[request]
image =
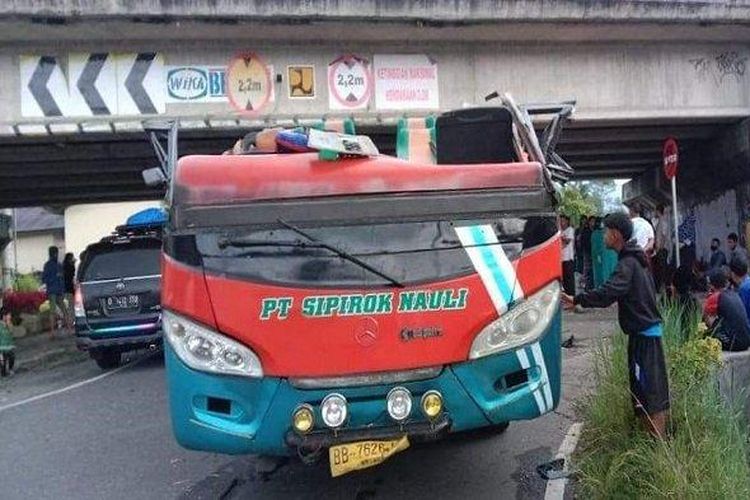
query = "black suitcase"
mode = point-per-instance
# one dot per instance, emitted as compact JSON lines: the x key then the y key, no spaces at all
{"x":475,"y":135}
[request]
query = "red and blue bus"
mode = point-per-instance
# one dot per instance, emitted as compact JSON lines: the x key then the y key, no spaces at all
{"x":346,"y":306}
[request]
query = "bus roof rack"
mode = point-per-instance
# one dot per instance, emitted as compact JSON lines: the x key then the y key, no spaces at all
{"x":541,"y":149}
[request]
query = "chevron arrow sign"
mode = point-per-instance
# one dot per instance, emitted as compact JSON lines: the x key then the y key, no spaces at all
{"x":93,"y":84}
{"x":97,"y":84}
{"x":44,"y":89}
{"x":140,"y":79}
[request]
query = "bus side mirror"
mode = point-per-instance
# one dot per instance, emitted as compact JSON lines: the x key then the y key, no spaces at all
{"x":154,"y":177}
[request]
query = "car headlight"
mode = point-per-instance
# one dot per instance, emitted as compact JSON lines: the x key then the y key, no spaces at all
{"x":203,"y":349}
{"x":522,"y":324}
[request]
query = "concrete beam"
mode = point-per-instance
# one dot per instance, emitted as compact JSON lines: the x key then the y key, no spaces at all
{"x":25,"y":32}
{"x":629,"y":135}
{"x":606,"y":173}
{"x":425,"y":11}
{"x":613,"y":163}
{"x":64,"y":198}
{"x":74,"y":182}
{"x":602,"y":154}
{"x":114,"y":153}
{"x":10,"y":172}
{"x":610,"y":147}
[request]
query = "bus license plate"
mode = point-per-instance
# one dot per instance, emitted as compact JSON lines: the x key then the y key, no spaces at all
{"x":349,"y":457}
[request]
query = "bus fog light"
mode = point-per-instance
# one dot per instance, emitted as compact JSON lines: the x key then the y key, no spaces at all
{"x":432,"y":404}
{"x":334,"y":410}
{"x":303,"y":419}
{"x":399,"y":403}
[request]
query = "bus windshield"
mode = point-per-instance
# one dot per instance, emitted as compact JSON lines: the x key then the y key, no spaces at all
{"x":407,"y":252}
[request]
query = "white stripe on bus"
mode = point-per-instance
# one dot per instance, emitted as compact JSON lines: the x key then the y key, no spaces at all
{"x":539,"y":359}
{"x":524,"y":360}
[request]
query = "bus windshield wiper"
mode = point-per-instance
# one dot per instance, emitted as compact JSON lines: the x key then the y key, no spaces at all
{"x":340,"y":253}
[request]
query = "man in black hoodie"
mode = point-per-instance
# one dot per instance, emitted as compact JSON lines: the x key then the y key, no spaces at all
{"x":632,"y":287}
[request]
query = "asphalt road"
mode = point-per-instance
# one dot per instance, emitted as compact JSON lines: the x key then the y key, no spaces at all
{"x":111,"y":438}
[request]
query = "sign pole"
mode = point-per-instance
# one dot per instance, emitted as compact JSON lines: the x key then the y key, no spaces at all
{"x":674,"y":216}
{"x":670,"y":154}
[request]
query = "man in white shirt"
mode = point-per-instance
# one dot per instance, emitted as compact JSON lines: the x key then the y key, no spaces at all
{"x":643,"y":233}
{"x":567,"y":234}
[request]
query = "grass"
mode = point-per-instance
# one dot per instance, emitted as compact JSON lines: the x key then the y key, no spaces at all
{"x":707,"y":455}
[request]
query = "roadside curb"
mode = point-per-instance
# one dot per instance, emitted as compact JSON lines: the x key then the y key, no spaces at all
{"x":31,"y":360}
{"x":45,"y":353}
{"x":556,"y":487}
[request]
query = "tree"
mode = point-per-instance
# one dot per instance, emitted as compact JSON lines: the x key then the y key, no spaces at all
{"x":589,"y":198}
{"x":605,"y":193}
{"x":576,"y":203}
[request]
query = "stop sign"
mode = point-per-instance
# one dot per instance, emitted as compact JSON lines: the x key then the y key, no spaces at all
{"x":669,"y":153}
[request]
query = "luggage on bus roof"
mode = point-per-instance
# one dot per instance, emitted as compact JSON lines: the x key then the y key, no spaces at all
{"x":462,"y":136}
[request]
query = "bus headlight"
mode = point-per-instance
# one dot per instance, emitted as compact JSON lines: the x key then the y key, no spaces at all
{"x":206,"y":350}
{"x":522,"y":324}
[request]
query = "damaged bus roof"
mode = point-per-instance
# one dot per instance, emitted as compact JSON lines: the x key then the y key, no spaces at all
{"x":260,"y":189}
{"x":209,"y":180}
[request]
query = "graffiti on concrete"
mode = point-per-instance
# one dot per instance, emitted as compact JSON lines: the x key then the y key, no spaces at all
{"x":701,"y":65}
{"x":728,"y":63}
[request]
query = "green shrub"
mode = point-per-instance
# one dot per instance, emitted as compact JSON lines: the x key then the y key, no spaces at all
{"x":707,"y":455}
{"x":27,"y":283}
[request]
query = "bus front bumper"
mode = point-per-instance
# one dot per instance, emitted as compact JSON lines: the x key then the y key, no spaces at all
{"x":237,"y":415}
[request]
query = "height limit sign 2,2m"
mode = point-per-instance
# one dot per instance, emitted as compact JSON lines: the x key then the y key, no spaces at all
{"x":349,"y":83}
{"x":249,"y":84}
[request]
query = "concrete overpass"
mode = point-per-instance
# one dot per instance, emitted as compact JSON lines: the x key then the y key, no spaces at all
{"x":80,"y":78}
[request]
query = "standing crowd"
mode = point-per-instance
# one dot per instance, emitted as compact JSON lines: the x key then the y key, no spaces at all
{"x":724,"y":275}
{"x":646,"y":267}
{"x":59,"y":281}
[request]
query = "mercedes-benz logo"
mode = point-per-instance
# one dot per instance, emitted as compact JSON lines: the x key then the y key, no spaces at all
{"x":120,"y":286}
{"x":366,"y":332}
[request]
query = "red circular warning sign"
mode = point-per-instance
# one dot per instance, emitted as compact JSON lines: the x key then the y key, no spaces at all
{"x":670,"y":155}
{"x":349,"y":82}
{"x":249,"y":83}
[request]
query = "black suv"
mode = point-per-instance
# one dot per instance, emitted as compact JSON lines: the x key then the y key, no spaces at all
{"x":117,"y":300}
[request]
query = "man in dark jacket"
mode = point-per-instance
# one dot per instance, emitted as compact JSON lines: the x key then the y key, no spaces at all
{"x":52,"y":277}
{"x":632,"y":287}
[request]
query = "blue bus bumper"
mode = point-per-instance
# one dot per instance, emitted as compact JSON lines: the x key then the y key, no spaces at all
{"x":237,"y":415}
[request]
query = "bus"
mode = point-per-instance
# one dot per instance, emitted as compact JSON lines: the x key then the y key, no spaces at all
{"x":351,"y":307}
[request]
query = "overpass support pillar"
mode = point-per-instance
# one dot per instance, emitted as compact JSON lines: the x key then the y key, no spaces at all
{"x":7,"y":262}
